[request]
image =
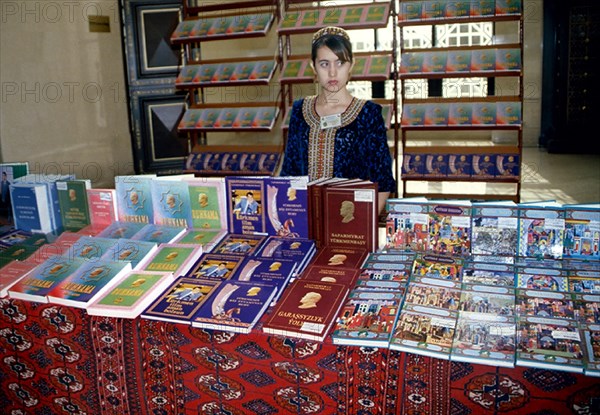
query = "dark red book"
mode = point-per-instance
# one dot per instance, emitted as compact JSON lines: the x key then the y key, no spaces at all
{"x":340,"y":257}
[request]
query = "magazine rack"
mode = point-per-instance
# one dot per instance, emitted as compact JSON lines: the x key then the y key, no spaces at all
{"x":202,"y":115}
{"x":302,"y":18}
{"x":433,"y":150}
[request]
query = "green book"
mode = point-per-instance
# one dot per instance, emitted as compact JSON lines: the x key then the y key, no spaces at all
{"x":172,"y":257}
{"x":131,"y":295}
{"x":73,"y":202}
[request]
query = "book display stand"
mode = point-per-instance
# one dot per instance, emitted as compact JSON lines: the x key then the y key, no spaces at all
{"x":301,"y":18}
{"x":463,"y":139}
{"x":222,"y":22}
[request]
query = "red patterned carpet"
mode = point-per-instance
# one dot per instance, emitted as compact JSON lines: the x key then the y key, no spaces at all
{"x":57,"y":360}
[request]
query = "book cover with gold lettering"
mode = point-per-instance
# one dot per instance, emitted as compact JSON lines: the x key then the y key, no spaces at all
{"x":173,"y":257}
{"x":88,"y":282}
{"x":307,"y":309}
{"x":131,"y":294}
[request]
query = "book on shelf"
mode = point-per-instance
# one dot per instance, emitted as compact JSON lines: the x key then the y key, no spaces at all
{"x":483,"y":113}
{"x":483,"y":60}
{"x":483,"y":166}
{"x":508,"y":7}
{"x":129,"y":250}
{"x":183,"y":29}
{"x":413,"y":115}
{"x":102,"y":203}
{"x":457,"y":9}
{"x":410,"y":11}
{"x":460,"y":166}
{"x":508,"y":59}
{"x":226,"y":118}
{"x":161,"y":234}
{"x":73,"y":202}
{"x":44,"y":277}
{"x":235,"y":306}
{"x":90,"y":281}
{"x":243,"y":119}
{"x":413,"y":166}
{"x":379,"y":66}
{"x":449,"y":227}
{"x":134,"y":198}
{"x":49,"y":181}
{"x":307,"y":310}
{"x":367,"y":318}
{"x":207,"y":238}
{"x":460,"y":114}
{"x":541,"y":230}
{"x":412,"y":63}
{"x":287,"y":206}
{"x":436,"y":165}
{"x":181,"y":300}
{"x":173,"y":257}
{"x":433,"y":9}
{"x":458,"y":61}
{"x":11,"y":272}
{"x":171,"y":204}
{"x":591,"y":348}
{"x":262,"y":70}
{"x":483,"y":8}
{"x":494,"y":229}
{"x":131,"y":294}
{"x":9,"y":171}
{"x":508,"y":113}
{"x":239,"y":244}
{"x":582,"y":231}
{"x":121,"y":229}
{"x":508,"y":166}
{"x":423,"y":333}
{"x":30,"y":207}
{"x":435,"y":62}
{"x":549,"y":343}
{"x":216,"y":266}
{"x":484,"y":338}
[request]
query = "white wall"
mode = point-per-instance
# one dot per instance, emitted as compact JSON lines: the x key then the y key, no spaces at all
{"x":63,"y":104}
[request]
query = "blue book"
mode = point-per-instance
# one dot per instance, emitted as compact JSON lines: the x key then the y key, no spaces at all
{"x":44,"y":277}
{"x":52,"y":191}
{"x":276,"y":271}
{"x":134,"y":198}
{"x":171,"y":203}
{"x":88,"y":283}
{"x":287,"y":206}
{"x":158,"y":233}
{"x":245,"y":204}
{"x":121,"y":229}
{"x":132,"y":251}
{"x":300,"y":250}
{"x":89,"y":247}
{"x":235,"y":306}
{"x":30,"y":206}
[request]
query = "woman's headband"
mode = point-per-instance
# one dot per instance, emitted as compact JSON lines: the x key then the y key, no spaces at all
{"x":331,"y":31}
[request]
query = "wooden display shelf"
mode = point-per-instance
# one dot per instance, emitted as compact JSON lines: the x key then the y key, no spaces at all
{"x":236,"y":117}
{"x":470,"y":196}
{"x":227,"y":72}
{"x":455,"y":20}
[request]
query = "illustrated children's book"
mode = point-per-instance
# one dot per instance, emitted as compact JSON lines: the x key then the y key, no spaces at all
{"x":235,"y":306}
{"x":582,"y":231}
{"x":591,"y":343}
{"x":541,"y":230}
{"x":494,"y":229}
{"x":449,"y":227}
{"x":131,"y":294}
{"x":367,"y":318}
{"x":407,"y":224}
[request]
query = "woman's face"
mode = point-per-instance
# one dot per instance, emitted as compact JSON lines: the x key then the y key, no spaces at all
{"x":332,"y":74}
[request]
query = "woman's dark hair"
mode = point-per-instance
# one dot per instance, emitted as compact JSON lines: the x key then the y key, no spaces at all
{"x":338,"y":45}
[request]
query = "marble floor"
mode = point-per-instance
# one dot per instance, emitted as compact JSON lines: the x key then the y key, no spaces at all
{"x":566,"y":178}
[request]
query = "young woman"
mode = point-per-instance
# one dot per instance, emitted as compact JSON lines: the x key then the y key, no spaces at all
{"x":334,"y":134}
